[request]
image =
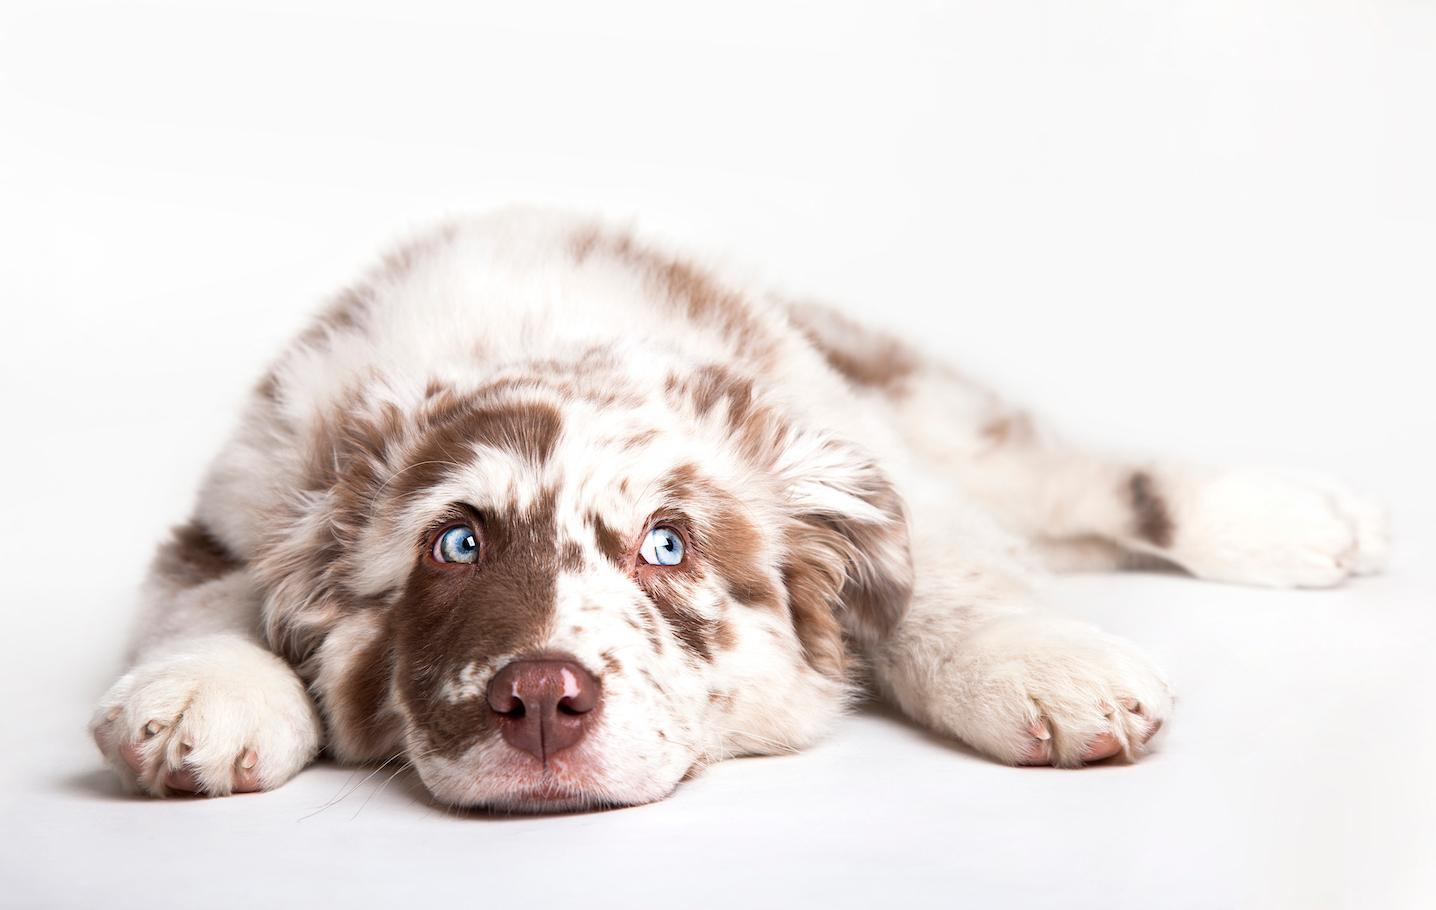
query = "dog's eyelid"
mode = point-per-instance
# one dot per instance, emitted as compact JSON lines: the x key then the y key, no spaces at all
{"x":457,"y":513}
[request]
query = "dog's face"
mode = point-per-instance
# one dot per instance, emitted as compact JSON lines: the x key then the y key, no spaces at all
{"x":553,"y":593}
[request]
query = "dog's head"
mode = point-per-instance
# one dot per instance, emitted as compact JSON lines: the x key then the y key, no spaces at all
{"x":571,"y":585}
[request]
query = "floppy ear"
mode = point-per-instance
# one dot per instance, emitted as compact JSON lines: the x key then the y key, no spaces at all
{"x":847,"y":565}
{"x":310,"y":546}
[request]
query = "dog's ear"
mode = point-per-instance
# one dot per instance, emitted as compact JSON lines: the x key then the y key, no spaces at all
{"x":311,"y":547}
{"x":847,"y":564}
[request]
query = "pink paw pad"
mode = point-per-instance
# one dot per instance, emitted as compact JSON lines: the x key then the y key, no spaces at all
{"x":186,"y":779}
{"x":1100,"y":747}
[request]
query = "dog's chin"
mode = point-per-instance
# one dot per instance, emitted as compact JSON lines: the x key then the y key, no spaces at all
{"x":518,"y":784}
{"x":550,"y":801}
{"x":546,"y":799}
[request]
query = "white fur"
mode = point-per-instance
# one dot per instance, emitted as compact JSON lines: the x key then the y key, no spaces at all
{"x":1279,"y":529}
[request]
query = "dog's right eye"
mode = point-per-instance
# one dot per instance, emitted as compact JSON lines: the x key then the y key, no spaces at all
{"x":457,"y":544}
{"x":662,"y":546}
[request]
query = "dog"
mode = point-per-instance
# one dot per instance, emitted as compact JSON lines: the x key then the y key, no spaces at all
{"x":559,"y":517}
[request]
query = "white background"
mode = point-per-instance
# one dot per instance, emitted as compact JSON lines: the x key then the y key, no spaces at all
{"x":1198,"y":227}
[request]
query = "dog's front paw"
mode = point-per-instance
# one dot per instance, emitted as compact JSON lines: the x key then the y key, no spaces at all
{"x":1278,"y":529}
{"x":1035,"y":691}
{"x":220,"y":716}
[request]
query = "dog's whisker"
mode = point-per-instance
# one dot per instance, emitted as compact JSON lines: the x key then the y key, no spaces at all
{"x":345,"y":790}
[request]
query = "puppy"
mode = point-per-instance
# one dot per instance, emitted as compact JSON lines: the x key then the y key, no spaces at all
{"x":558,"y":518}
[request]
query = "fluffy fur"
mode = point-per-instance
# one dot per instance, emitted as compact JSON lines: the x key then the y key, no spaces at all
{"x":855,"y":515}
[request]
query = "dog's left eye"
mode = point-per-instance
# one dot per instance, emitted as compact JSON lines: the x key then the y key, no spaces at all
{"x":457,"y":544}
{"x":662,"y":547}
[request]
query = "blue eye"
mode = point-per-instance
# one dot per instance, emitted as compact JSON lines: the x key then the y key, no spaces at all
{"x":662,"y":547}
{"x":458,"y":544}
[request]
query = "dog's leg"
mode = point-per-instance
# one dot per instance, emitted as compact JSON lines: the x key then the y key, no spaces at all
{"x":1086,"y":510}
{"x":206,"y":708}
{"x":1281,"y":529}
{"x":974,"y":658}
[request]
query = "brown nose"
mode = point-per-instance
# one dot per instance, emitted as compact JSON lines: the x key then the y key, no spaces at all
{"x":544,"y":706}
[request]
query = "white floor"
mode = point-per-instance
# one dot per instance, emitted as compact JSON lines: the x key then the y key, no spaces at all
{"x":1200,"y":227}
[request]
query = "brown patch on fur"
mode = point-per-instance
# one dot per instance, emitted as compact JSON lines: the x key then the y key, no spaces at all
{"x":866,"y":358}
{"x":447,"y":618}
{"x":648,"y":623}
{"x":527,"y":429}
{"x":694,"y":631}
{"x":358,"y":711}
{"x":711,"y":387}
{"x":611,"y":663}
{"x":712,"y":384}
{"x":611,"y":543}
{"x":194,"y":556}
{"x":640,"y":439}
{"x":725,"y":542}
{"x":754,"y":427}
{"x":1153,"y":520}
{"x":594,"y":376}
{"x":268,"y":387}
{"x":570,"y":556}
{"x":584,"y":243}
{"x":345,"y":310}
{"x":812,"y":592}
{"x":735,"y":553}
{"x":700,"y":295}
{"x":1013,"y":428}
{"x":878,"y":589}
{"x":723,"y":635}
{"x":848,"y":576}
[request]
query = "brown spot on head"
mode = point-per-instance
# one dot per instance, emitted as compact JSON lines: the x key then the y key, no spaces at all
{"x":640,"y":439}
{"x":699,"y":294}
{"x":713,"y":387}
{"x":451,"y":428}
{"x":449,"y":617}
{"x":695,"y":632}
{"x":1153,"y":520}
{"x":611,"y":663}
{"x":613,"y":544}
{"x":735,"y":554}
{"x":570,"y":556}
